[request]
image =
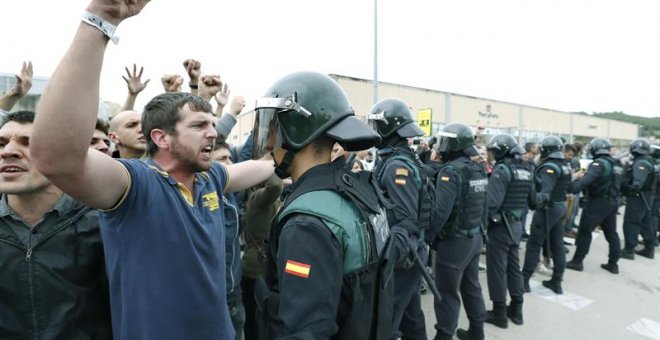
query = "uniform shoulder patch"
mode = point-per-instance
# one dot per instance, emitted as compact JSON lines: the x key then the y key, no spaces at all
{"x":297,"y":269}
{"x":401,"y":172}
{"x":444,"y":178}
{"x":400,"y":181}
{"x":550,"y":171}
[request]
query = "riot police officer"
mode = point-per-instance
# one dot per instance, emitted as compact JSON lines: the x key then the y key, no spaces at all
{"x":401,"y":176}
{"x":655,"y":152}
{"x":601,"y":185}
{"x":323,"y":246}
{"x":640,"y":186}
{"x":552,"y":180}
{"x":457,"y":232}
{"x":510,"y":190}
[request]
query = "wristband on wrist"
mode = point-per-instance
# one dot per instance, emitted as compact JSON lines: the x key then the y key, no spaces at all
{"x":102,"y":25}
{"x":193,"y":86}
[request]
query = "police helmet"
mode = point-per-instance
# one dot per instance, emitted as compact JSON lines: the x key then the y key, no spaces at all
{"x":502,"y":145}
{"x":599,"y":146}
{"x":551,"y":147}
{"x":392,"y":115}
{"x":455,"y":137}
{"x":640,"y":146}
{"x":302,"y":107}
{"x":655,"y":150}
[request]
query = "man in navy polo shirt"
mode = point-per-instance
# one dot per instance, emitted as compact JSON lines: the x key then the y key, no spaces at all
{"x":162,"y":224}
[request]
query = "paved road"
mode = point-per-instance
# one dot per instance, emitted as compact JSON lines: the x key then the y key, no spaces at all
{"x":596,"y":304}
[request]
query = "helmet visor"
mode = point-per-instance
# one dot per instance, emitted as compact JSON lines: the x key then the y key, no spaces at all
{"x":267,"y":137}
{"x":376,"y":119}
{"x":444,"y":141}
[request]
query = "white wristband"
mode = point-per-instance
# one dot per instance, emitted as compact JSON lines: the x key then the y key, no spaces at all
{"x":102,"y":25}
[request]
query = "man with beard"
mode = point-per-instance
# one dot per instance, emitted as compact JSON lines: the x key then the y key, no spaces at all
{"x":162,"y":224}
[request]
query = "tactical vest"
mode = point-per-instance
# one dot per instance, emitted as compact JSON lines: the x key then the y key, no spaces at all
{"x":352,"y":207}
{"x":608,"y":185}
{"x":651,"y":182}
{"x":521,"y":178}
{"x":469,"y":211}
{"x":560,"y":189}
{"x":423,"y":180}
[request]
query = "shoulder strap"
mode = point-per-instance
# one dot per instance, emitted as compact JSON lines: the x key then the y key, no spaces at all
{"x":506,"y":168}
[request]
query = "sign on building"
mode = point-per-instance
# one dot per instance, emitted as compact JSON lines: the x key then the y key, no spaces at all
{"x":424,"y":121}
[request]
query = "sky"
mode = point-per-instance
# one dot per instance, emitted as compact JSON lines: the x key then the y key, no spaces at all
{"x":568,"y":55}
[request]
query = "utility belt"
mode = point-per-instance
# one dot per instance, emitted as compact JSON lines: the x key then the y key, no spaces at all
{"x":555,"y":203}
{"x":510,"y":217}
{"x":451,"y":232}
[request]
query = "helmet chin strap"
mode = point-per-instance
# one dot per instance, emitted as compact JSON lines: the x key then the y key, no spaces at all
{"x":281,"y":169}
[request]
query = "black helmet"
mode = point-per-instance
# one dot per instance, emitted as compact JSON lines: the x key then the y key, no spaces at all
{"x":455,"y":137}
{"x":640,"y":146}
{"x":392,"y":115}
{"x":599,"y":146}
{"x":551,"y":147}
{"x":502,"y":145}
{"x":302,"y":107}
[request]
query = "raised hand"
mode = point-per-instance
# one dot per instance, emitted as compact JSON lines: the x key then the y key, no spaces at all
{"x":172,"y":82}
{"x":115,"y":11}
{"x":237,"y":105}
{"x":134,"y":80}
{"x":24,"y":80}
{"x":222,"y":97}
{"x":209,"y":85}
{"x":194,"y":70}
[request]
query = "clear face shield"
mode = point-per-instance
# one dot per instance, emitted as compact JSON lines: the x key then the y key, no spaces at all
{"x":444,"y":139}
{"x":267,"y":135}
{"x":374,"y":119}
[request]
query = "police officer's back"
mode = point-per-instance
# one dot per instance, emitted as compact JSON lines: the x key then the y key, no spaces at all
{"x":402,"y":177}
{"x":601,"y":185}
{"x":321,"y":278}
{"x":639,"y":185}
{"x":456,"y":232}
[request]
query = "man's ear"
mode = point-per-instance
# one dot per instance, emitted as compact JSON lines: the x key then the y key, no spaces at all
{"x":160,"y":138}
{"x":113,"y":138}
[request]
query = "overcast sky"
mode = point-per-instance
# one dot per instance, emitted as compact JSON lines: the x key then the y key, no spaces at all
{"x":569,"y":55}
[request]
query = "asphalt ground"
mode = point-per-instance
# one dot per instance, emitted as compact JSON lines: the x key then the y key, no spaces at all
{"x":595,"y":305}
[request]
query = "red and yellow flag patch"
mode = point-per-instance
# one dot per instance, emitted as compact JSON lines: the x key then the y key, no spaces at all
{"x":297,"y":269}
{"x":444,"y":178}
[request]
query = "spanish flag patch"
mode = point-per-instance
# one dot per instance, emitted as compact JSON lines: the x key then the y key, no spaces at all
{"x":444,"y":178}
{"x":400,"y":181}
{"x":550,"y":171}
{"x":297,"y":269}
{"x":402,"y":172}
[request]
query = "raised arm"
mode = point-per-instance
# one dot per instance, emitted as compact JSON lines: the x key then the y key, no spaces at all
{"x":20,"y":89}
{"x":67,"y":115}
{"x":135,"y":86}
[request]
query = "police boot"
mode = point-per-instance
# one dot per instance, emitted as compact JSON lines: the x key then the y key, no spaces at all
{"x":627,"y":254}
{"x":646,"y":252}
{"x":470,"y":334}
{"x":575,"y":265}
{"x":611,"y":267}
{"x":554,"y":284}
{"x":497,"y":316}
{"x":514,"y":311}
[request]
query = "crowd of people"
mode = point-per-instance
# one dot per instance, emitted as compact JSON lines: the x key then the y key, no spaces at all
{"x":319,"y":226}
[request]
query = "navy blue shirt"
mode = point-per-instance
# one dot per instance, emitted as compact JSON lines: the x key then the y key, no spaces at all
{"x":165,"y":253}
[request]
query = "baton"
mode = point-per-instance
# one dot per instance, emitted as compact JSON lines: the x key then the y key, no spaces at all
{"x":425,"y":274}
{"x":508,"y":227}
{"x":646,"y":203}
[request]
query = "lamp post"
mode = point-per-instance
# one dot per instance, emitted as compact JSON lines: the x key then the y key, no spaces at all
{"x":375,"y":51}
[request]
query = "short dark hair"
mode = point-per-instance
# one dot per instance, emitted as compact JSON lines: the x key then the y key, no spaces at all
{"x":570,"y":147}
{"x":163,"y":112}
{"x":221,"y":145}
{"x":19,"y":117}
{"x":102,"y":125}
{"x":529,"y":146}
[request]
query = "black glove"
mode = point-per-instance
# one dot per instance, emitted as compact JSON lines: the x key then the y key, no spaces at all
{"x":405,"y":244}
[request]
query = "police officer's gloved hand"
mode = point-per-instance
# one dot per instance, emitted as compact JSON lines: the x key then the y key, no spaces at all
{"x":403,"y":243}
{"x":541,"y":200}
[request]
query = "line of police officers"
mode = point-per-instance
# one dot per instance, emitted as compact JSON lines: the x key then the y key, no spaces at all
{"x":346,"y":251}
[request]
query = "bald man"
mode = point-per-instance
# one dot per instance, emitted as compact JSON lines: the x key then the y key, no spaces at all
{"x":126,"y":134}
